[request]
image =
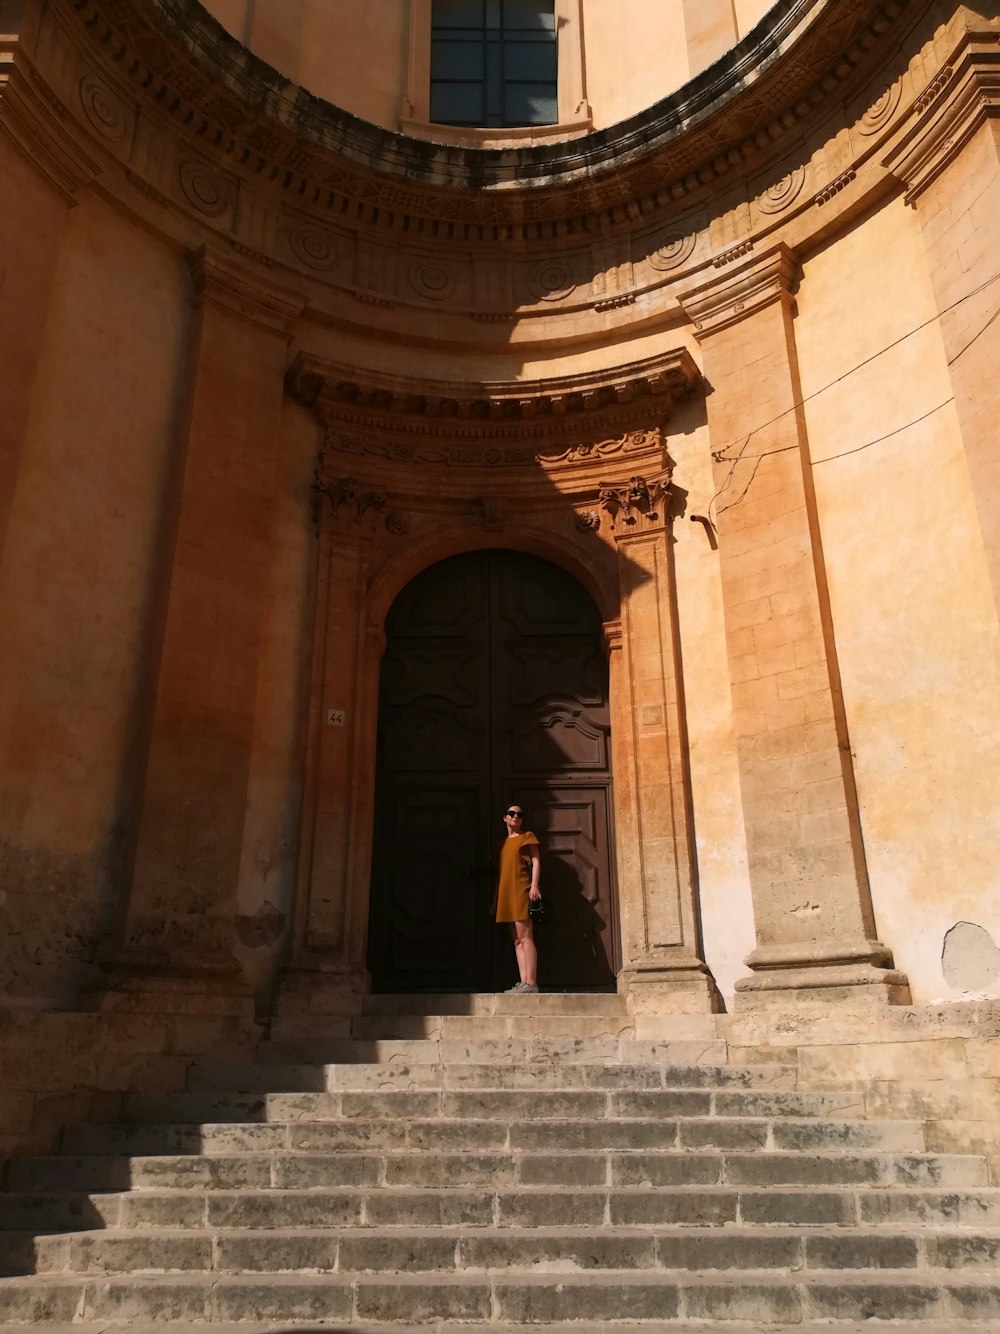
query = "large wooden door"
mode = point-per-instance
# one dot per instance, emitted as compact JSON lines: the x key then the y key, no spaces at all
{"x":494,"y":688}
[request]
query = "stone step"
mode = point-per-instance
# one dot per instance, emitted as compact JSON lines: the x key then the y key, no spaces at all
{"x":532,"y":1049}
{"x":489,"y":1004}
{"x":490,"y":1105}
{"x":442,"y":1170}
{"x":118,"y":1251}
{"x":502,"y":1327}
{"x":635,"y":1133}
{"x":254,"y":1078}
{"x":515,"y":1297}
{"x":516,"y":1206}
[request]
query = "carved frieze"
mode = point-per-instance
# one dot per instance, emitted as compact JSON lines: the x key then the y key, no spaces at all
{"x":347,"y":502}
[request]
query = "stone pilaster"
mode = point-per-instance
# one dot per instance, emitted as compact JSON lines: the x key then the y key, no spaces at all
{"x":812,"y":906}
{"x":661,"y":957}
{"x":183,"y":903}
{"x":327,"y":971}
{"x":948,"y":157}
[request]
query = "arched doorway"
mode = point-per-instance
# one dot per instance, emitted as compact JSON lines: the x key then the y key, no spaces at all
{"x":494,"y":685}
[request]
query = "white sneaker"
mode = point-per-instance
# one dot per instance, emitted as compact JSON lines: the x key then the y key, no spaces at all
{"x":519,"y":987}
{"x":527,"y":988}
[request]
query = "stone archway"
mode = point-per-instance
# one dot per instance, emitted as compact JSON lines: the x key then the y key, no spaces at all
{"x":494,"y":684}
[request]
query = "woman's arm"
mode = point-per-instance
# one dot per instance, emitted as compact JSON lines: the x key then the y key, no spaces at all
{"x":536,"y":870}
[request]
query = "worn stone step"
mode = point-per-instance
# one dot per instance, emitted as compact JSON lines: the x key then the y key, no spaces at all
{"x":252,"y":1078}
{"x":737,"y":1133}
{"x":518,"y":1298}
{"x":329,"y":1048}
{"x":442,"y":1170}
{"x":551,"y":1003}
{"x":502,"y":1327}
{"x":515,"y":1206}
{"x":491,"y":1105}
{"x":552,"y":1251}
{"x":479,"y":1028}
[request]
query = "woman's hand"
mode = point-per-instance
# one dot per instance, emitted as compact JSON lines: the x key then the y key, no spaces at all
{"x":534,"y":894}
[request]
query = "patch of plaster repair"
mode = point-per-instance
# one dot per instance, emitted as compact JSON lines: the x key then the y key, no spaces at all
{"x":264,"y":928}
{"x":970,"y":959}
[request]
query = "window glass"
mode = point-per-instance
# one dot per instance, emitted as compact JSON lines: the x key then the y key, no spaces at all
{"x":494,"y":63}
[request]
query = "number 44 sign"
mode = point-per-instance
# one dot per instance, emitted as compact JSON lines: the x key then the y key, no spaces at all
{"x":336,"y":718}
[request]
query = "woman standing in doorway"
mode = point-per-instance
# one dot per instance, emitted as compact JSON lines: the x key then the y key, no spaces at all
{"x":517,"y":887}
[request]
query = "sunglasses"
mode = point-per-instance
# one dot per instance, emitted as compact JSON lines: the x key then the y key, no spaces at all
{"x":516,"y":815}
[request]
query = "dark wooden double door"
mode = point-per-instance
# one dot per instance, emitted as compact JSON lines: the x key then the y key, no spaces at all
{"x":494,"y":689}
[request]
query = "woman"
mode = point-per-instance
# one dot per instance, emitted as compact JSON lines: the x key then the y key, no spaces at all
{"x":517,"y":886}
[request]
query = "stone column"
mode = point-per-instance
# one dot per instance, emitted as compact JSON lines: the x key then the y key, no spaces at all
{"x":42,"y":168}
{"x":183,"y":904}
{"x":327,"y":973}
{"x":949,"y":160}
{"x":661,"y":956}
{"x":812,"y":906}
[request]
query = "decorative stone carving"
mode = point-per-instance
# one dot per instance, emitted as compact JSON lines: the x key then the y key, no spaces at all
{"x":347,"y":499}
{"x":398,"y":524}
{"x":552,"y":280}
{"x":635,"y":500}
{"x":672,"y":249}
{"x":103,"y":109}
{"x":782,"y":194}
{"x":316,"y":248}
{"x":204,"y":189}
{"x":589,"y":521}
{"x":881,"y":110}
{"x":830,"y":191}
{"x":433,"y":279}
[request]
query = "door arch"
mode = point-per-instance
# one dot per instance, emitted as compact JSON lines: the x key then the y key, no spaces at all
{"x":494,"y":686}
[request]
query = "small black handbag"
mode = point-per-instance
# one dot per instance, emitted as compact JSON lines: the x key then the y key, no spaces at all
{"x":536,"y":911}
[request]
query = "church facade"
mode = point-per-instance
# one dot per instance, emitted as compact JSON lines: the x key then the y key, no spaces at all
{"x":362,"y":473}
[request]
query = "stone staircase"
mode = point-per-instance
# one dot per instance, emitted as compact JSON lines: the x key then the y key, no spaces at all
{"x":520,"y":1161}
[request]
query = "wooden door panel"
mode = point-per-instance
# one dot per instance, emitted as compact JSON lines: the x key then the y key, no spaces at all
{"x":576,"y":945}
{"x":494,"y":685}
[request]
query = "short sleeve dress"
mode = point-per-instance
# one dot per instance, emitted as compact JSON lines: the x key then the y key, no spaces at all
{"x":515,"y":877}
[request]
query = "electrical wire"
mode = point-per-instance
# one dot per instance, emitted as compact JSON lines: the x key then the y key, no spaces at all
{"x":720,"y":455}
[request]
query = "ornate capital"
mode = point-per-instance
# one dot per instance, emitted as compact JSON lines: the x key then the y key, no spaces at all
{"x":243,"y":292}
{"x":637,"y":505}
{"x":741,"y":291}
{"x":962,"y":96}
{"x":348,"y":504}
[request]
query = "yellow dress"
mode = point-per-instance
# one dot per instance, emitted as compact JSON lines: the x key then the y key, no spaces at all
{"x":515,"y":877}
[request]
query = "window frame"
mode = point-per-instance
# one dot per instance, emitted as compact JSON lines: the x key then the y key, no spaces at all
{"x":574,"y":114}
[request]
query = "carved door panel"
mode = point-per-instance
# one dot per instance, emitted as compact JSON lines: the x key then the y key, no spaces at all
{"x":494,"y":687}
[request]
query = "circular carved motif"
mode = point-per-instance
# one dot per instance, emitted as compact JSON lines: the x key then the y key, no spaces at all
{"x":782,"y":193}
{"x":208,"y":192}
{"x":314,"y":248}
{"x":672,"y":249}
{"x":881,"y":110}
{"x":552,"y":280}
{"x":102,"y":109}
{"x":431,"y":279}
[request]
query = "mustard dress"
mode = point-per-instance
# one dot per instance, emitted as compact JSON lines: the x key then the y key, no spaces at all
{"x":515,"y":877}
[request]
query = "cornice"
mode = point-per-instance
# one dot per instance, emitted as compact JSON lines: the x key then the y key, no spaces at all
{"x":558,"y":422}
{"x":963,"y":96}
{"x":40,"y":125}
{"x":237,"y":288}
{"x":739,"y":112}
{"x":759,"y":281}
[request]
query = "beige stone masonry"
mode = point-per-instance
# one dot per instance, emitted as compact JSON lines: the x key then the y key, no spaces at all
{"x":814,"y":922}
{"x":183,"y":902}
{"x":949,"y":160}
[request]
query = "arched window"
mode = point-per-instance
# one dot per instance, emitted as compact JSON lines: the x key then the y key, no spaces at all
{"x":494,"y":63}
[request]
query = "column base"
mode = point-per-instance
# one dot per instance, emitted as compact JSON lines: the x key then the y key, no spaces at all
{"x":316,"y":986}
{"x":783,"y":979}
{"x":151,"y":982}
{"x":667,"y":988}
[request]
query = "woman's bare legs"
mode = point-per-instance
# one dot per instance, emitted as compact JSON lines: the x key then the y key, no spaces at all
{"x":525,"y":951}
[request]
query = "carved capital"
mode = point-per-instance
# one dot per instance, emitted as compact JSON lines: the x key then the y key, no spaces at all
{"x":962,"y":96}
{"x":637,"y":505}
{"x":239,"y":289}
{"x":741,"y":291}
{"x":38,"y":123}
{"x":613,"y":636}
{"x":347,"y":504}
